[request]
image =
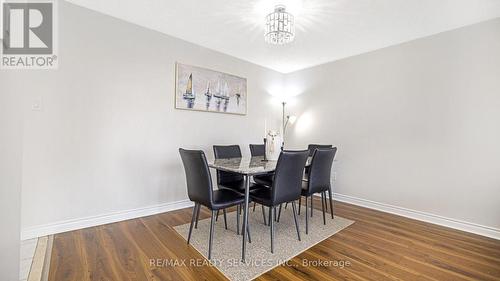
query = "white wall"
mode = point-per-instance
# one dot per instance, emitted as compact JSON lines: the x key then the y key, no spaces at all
{"x":417,"y":124}
{"x":108,"y":135}
{"x":10,"y":178}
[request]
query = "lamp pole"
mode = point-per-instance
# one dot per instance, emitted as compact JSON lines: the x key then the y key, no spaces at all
{"x":284,"y":122}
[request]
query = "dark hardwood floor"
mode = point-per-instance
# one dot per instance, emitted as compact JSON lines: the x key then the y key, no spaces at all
{"x":378,"y":246}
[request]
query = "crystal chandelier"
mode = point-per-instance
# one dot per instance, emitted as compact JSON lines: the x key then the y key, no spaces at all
{"x":280,"y":27}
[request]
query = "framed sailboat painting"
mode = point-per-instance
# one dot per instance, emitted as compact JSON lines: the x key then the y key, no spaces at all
{"x":203,"y":89}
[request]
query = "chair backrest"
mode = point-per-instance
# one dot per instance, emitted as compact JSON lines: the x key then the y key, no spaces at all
{"x":198,"y":179}
{"x":320,"y":169}
{"x":313,"y":147}
{"x":288,"y":176}
{"x":227,"y":151}
{"x":257,"y":150}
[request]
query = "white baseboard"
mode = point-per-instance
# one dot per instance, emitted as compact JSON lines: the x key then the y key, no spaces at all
{"x":68,"y":225}
{"x":487,"y":231}
{"x":73,"y":224}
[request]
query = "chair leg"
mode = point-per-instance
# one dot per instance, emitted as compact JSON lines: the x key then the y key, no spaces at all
{"x":272,"y":211}
{"x":270,"y":216}
{"x":323,"y":206}
{"x":286,"y":204}
{"x":331,"y":200}
{"x":279,"y":214}
{"x":326,"y":203}
{"x":312,"y":201}
{"x":248,"y":233}
{"x":300,"y":204}
{"x":307,"y":218}
{"x":254,"y":206}
{"x":211,"y":236}
{"x":238,"y":219}
{"x":225,"y":218}
{"x":264,"y":214}
{"x":217,"y":216}
{"x":275,"y":214}
{"x":295,"y":219}
{"x":197,"y":216}
{"x":196,"y":205}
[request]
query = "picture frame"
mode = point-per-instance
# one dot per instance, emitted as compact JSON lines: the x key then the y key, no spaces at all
{"x":202,"y":89}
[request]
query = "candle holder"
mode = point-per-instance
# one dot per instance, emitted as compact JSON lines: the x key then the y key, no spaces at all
{"x":265,"y":151}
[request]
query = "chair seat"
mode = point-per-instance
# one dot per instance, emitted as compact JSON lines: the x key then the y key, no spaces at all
{"x":305,"y":191}
{"x":261,"y":194}
{"x":266,"y":179}
{"x":225,"y":198}
{"x":238,"y":186}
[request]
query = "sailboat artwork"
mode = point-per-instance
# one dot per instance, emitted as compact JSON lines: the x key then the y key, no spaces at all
{"x":203,"y":89}
{"x":188,"y":95}
{"x":221,"y":97}
{"x":238,"y":96}
{"x":208,"y":95}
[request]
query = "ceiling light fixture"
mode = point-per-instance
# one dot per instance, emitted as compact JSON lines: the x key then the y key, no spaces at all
{"x":280,"y":28}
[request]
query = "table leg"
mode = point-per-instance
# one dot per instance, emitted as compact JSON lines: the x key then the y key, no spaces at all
{"x":245,"y":217}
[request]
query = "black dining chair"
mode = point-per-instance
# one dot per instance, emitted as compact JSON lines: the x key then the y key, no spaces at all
{"x":200,"y":191}
{"x":319,"y":180}
{"x":267,"y":179}
{"x":312,"y":148}
{"x":229,"y":180}
{"x":286,"y":187}
{"x":257,"y":149}
{"x":225,"y":179}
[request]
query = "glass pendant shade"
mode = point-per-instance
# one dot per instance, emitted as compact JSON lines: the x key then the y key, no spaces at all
{"x":280,"y":27}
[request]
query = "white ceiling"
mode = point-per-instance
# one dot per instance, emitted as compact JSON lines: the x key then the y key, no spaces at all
{"x":326,"y":30}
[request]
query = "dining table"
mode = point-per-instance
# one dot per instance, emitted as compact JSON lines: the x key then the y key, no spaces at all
{"x":247,"y":167}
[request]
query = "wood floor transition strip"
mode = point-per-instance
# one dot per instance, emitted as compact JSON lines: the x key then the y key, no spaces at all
{"x":38,"y":260}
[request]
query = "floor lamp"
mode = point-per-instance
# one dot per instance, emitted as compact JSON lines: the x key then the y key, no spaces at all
{"x":284,"y":122}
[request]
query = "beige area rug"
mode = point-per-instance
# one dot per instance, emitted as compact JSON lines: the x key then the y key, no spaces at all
{"x":226,"y":251}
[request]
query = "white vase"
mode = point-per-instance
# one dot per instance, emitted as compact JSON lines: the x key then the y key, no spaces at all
{"x":273,"y":147}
